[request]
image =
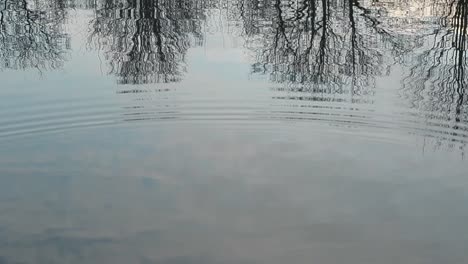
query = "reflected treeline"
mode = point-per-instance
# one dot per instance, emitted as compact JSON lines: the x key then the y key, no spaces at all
{"x":32,"y":34}
{"x":437,"y":80}
{"x":146,"y":41}
{"x":332,"y":46}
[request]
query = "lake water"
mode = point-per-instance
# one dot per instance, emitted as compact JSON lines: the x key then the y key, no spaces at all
{"x":233,"y":131}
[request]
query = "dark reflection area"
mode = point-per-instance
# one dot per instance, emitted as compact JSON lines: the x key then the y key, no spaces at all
{"x":146,"y":41}
{"x":436,"y":80}
{"x":330,"y":47}
{"x":32,"y":34}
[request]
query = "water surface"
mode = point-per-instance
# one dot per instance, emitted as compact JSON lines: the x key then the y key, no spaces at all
{"x":232,"y":131}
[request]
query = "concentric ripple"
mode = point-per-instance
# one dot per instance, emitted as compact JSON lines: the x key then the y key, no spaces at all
{"x":345,"y":66}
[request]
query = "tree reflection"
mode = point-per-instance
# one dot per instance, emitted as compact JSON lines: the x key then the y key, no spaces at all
{"x":437,"y":80}
{"x":318,"y":45}
{"x":146,"y":41}
{"x":31,"y":34}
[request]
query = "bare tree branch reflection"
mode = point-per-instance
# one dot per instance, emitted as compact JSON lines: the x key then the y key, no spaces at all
{"x":31,"y":34}
{"x":146,"y":41}
{"x":336,"y":47}
{"x":437,"y":80}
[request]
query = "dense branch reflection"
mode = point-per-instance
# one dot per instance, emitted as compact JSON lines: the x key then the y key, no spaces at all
{"x":437,"y":80}
{"x":146,"y":41}
{"x":327,"y":46}
{"x":332,"y":51}
{"x":31,"y":34}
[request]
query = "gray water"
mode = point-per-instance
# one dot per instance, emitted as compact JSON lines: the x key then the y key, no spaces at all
{"x":233,"y":131}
